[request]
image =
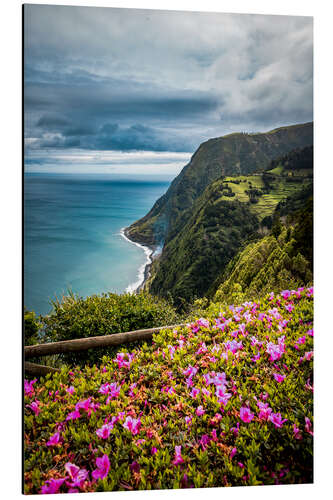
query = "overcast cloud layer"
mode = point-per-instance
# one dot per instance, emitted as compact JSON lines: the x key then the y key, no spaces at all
{"x":133,"y":80}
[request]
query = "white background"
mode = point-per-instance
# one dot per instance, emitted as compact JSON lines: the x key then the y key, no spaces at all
{"x":10,"y":164}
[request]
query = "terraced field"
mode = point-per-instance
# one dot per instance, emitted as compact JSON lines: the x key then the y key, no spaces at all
{"x":281,"y":187}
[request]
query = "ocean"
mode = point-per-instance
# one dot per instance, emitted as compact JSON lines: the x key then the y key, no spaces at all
{"x":72,"y":234}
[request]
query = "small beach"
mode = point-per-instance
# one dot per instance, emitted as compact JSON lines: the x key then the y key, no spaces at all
{"x":144,"y":270}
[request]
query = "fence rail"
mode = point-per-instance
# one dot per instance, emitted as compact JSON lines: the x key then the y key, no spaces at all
{"x":77,"y":345}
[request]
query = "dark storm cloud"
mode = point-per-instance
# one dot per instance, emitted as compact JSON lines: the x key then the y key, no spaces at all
{"x":125,"y":79}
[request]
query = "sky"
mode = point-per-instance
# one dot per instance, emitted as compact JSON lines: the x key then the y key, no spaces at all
{"x":125,"y":90}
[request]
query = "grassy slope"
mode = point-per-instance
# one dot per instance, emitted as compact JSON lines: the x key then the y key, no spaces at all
{"x":217,"y":227}
{"x":229,"y":155}
{"x":281,"y":189}
{"x":268,"y":264}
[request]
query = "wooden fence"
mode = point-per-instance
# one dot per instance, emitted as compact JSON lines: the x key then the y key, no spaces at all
{"x":76,"y":345}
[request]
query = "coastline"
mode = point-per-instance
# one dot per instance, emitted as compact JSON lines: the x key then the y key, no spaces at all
{"x":144,"y":270}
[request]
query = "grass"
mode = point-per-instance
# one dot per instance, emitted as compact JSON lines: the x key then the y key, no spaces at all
{"x":266,"y":204}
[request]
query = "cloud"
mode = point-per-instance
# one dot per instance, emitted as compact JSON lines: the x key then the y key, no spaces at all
{"x":124,"y":79}
{"x":129,"y":163}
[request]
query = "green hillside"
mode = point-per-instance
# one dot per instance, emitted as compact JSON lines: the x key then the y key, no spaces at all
{"x":231,"y":211}
{"x":234,"y":154}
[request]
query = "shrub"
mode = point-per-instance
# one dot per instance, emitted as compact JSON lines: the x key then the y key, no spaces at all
{"x":77,"y":317}
{"x":224,"y":401}
{"x":31,"y":328}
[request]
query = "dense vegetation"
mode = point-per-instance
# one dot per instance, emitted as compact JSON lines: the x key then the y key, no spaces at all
{"x":297,"y":159}
{"x":268,"y":264}
{"x":235,"y":211}
{"x":212,"y":236}
{"x":223,"y":401}
{"x":77,"y":317}
{"x":282,"y":259}
{"x":233,"y":154}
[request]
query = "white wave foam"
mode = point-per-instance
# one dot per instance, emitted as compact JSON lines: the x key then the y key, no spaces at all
{"x":141,"y":271}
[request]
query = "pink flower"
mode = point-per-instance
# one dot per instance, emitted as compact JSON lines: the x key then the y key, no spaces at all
{"x":206,"y":392}
{"x":235,"y":430}
{"x":209,"y":378}
{"x":190,"y":371}
{"x":277,"y":420}
{"x":34,"y":407}
{"x":104,"y":389}
{"x":308,"y":385}
{"x":274,"y":350}
{"x":222,"y":396}
{"x":279,"y":378}
{"x":245,"y":414}
{"x":28,"y":387}
{"x":103,"y":467}
{"x":282,"y":324}
{"x":194,"y":393}
{"x":204,"y":441}
{"x":70,"y":390}
{"x":188,"y":420}
{"x":133,"y":425}
{"x":52,"y":486}
{"x":275,"y":313}
{"x":233,"y":345}
{"x":54,"y":440}
{"x":200,"y":411}
{"x":84,"y":405}
{"x":202,"y":349}
{"x":73,"y":415}
{"x":134,"y":466}
{"x":124,"y":359}
{"x":233,"y":452}
{"x":256,"y":357}
{"x":220,"y":379}
{"x":203,"y":322}
{"x":214,"y":434}
{"x":114,"y":391}
{"x":285,"y":294}
{"x":104,"y":431}
{"x":132,"y":387}
{"x":172,"y":351}
{"x":265,"y":410}
{"x":153,"y":450}
{"x":289,"y":307}
{"x":307,"y":356}
{"x":297,"y":434}
{"x":178,"y":457}
{"x":77,"y":475}
{"x":308,"y":426}
{"x":189,"y":382}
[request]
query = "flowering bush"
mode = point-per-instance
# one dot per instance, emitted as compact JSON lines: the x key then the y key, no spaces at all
{"x":223,"y":401}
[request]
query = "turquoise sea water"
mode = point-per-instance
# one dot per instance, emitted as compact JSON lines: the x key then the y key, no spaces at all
{"x":72,"y":240}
